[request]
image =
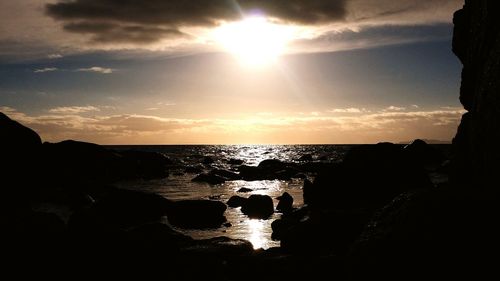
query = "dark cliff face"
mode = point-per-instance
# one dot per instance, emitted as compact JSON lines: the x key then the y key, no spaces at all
{"x":476,"y":42}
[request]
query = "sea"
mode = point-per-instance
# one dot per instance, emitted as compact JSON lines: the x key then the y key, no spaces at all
{"x":179,"y":185}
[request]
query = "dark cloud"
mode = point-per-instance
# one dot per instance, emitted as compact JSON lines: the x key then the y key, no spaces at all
{"x":138,"y":21}
{"x":105,"y":32}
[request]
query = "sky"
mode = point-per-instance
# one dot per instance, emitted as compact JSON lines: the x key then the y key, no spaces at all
{"x":230,"y":72}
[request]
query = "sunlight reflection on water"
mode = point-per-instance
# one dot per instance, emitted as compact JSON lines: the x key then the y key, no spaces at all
{"x":178,"y":186}
{"x":257,"y":235}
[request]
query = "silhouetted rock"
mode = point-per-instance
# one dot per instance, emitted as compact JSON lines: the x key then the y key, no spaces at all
{"x":147,"y":164}
{"x":20,"y":160}
{"x":329,"y":232}
{"x":270,"y":169}
{"x":285,"y":204}
{"x":233,"y":161}
{"x":236,"y":201}
{"x":476,"y":149}
{"x":244,"y":190}
{"x":70,"y":160}
{"x":217,"y":176}
{"x":156,"y":239}
{"x":207,"y":160}
{"x":258,"y":206}
{"x":272,"y":165}
{"x":209,"y":178}
{"x":369,"y":177}
{"x":120,"y":209}
{"x":440,"y":233}
{"x":193,"y":169}
{"x":14,"y":136}
{"x":424,"y":154}
{"x":197,"y":214}
{"x":306,"y":158}
{"x":221,"y":247}
{"x":228,"y":175}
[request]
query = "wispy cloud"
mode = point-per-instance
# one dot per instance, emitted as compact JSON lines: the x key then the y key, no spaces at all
{"x":54,"y":56}
{"x":96,"y":69}
{"x":325,"y":128}
{"x":73,"y":109}
{"x":394,"y":108}
{"x":348,"y":110}
{"x":46,"y":69}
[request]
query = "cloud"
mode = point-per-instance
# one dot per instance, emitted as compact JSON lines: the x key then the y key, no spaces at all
{"x":54,"y":56}
{"x":116,"y":33}
{"x":46,"y":69}
{"x":96,"y":69}
{"x":73,"y":109}
{"x":348,"y":110}
{"x":438,"y":124}
{"x":145,"y":22}
{"x":394,"y":108}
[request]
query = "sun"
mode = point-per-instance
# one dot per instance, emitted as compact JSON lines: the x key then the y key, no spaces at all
{"x":254,"y":41}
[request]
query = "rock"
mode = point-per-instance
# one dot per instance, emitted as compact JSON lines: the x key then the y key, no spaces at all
{"x":228,"y":175}
{"x":209,"y":178}
{"x":13,"y":135}
{"x":476,"y":147}
{"x":93,"y":163}
{"x":445,"y":233}
{"x":272,"y":165}
{"x":158,"y":238}
{"x":120,"y":209}
{"x":233,"y":161}
{"x":19,"y":148}
{"x":270,"y":169}
{"x":309,"y":191}
{"x":306,"y":158}
{"x":207,"y":160}
{"x":258,"y":206}
{"x":236,"y":201}
{"x":244,"y":190}
{"x":147,"y":164}
{"x":424,"y":154}
{"x":197,"y":214}
{"x":369,"y":177}
{"x":217,"y":176}
{"x":285,"y":204}
{"x":323,"y":233}
{"x":193,"y":169}
{"x":220,"y":247}
{"x":251,"y":173}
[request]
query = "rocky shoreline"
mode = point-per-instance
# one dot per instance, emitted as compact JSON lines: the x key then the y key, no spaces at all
{"x":98,"y":225}
{"x":376,"y":215}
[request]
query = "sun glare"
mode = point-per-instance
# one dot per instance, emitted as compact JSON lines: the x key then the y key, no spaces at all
{"x":254,"y":41}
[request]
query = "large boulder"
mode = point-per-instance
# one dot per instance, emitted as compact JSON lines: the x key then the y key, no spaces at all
{"x":236,"y":201}
{"x":119,"y":210}
{"x":285,"y":204}
{"x":15,"y":136}
{"x":258,"y":206}
{"x":82,"y":161}
{"x":197,"y":214}
{"x":440,"y":233}
{"x":146,"y":164}
{"x":476,"y":146}
{"x":369,"y":177}
{"x":19,"y":147}
{"x":94,"y":163}
{"x":424,"y":154}
{"x":270,"y":169}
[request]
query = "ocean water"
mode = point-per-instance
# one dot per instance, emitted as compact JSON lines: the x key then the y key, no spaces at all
{"x":178,"y":186}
